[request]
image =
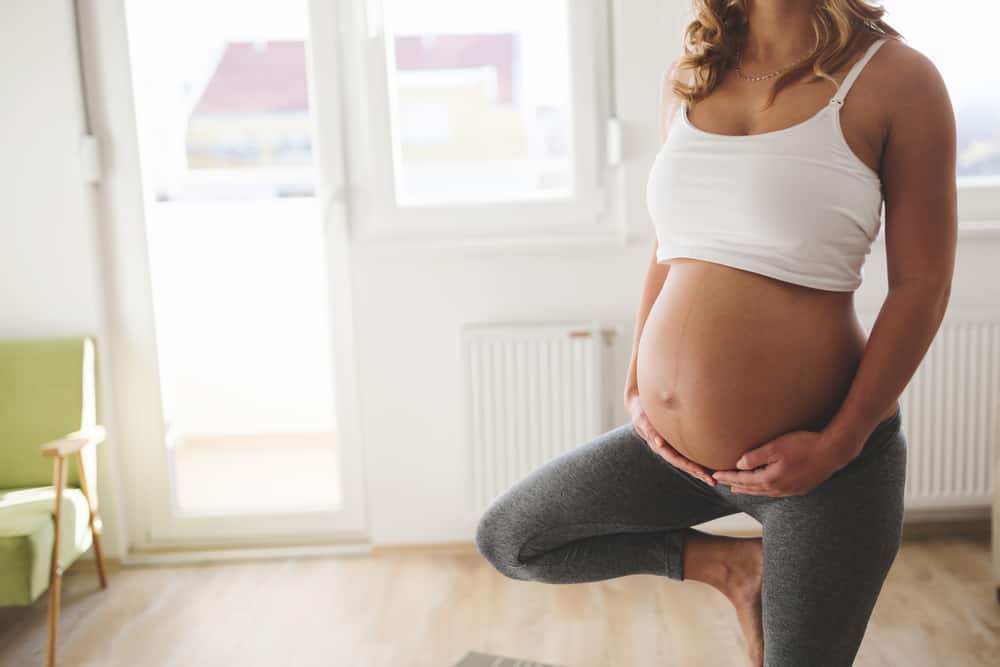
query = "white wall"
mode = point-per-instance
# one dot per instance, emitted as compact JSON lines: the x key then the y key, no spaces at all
{"x":409,"y":304}
{"x":49,"y":264}
{"x":48,"y":260}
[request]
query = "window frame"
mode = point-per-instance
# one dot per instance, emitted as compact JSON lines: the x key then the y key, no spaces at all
{"x":371,"y":191}
{"x":979,"y":203}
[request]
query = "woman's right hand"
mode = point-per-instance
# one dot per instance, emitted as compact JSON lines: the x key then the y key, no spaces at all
{"x":659,"y":445}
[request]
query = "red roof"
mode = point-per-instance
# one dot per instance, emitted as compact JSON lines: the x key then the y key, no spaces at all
{"x":263,"y":77}
{"x":460,"y":51}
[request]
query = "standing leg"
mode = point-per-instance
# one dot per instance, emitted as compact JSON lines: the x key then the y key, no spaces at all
{"x":826,"y":557}
{"x":607,"y":508}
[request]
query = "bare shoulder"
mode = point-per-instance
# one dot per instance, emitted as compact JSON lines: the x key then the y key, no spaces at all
{"x":918,"y":163}
{"x":910,"y":86}
{"x":910,"y":65}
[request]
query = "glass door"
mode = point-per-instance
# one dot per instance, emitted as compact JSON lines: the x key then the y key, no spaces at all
{"x":247,"y":270}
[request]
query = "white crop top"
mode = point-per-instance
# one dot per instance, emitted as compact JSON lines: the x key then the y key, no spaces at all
{"x":795,"y":204}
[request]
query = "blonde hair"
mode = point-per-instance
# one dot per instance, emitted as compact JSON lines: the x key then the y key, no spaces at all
{"x":719,"y":30}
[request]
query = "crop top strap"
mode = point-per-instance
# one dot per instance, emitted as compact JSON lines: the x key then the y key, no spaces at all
{"x":845,"y":86}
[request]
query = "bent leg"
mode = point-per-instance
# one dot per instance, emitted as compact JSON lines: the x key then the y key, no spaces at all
{"x":607,"y":508}
{"x":826,"y":557}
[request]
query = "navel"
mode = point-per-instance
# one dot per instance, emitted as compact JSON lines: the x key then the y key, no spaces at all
{"x":669,"y":399}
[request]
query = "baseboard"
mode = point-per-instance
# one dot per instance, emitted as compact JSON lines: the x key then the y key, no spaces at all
{"x":455,"y":548}
{"x":196,"y":555}
{"x":929,"y":529}
{"x":918,"y":524}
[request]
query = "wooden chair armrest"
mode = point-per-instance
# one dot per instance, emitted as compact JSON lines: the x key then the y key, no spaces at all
{"x":73,"y":442}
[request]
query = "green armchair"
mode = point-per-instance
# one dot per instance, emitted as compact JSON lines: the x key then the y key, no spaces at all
{"x":48,"y":469}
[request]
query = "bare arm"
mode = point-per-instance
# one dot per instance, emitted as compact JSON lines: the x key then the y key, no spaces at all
{"x":918,"y":177}
{"x":656,"y":274}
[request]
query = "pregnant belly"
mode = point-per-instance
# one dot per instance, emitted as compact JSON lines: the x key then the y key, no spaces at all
{"x":729,"y":359}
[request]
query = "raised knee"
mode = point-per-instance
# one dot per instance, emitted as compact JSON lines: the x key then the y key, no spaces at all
{"x":485,"y":539}
{"x":497,"y":544}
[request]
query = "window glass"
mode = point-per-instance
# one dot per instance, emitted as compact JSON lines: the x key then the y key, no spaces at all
{"x":480,"y":100}
{"x":237,"y":254}
{"x":957,"y":36}
{"x":227,"y":115}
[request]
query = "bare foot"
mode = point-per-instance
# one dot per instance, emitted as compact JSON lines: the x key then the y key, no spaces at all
{"x":734,"y":566}
{"x":744,"y":570}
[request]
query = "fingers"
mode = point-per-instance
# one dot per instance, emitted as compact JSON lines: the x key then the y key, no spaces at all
{"x":671,"y":455}
{"x":645,"y":429}
{"x":759,"y":478}
{"x":756,"y":482}
{"x":678,"y":460}
{"x":675,"y":458}
{"x":754,"y":492}
{"x":756,"y":457}
{"x":649,"y":433}
{"x":650,"y":436}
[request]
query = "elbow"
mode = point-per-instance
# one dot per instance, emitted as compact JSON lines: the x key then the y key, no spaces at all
{"x":939,"y":294}
{"x":932,"y":295}
{"x":944,"y":296}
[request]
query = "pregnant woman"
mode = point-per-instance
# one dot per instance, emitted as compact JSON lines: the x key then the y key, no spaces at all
{"x":785,"y":127}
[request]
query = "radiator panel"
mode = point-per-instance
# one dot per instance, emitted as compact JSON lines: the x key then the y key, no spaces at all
{"x":950,"y":410}
{"x":534,"y":391}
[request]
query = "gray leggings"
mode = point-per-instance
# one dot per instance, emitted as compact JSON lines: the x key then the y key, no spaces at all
{"x":612,"y":507}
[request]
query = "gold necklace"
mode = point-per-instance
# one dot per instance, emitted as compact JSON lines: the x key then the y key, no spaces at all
{"x":760,"y":77}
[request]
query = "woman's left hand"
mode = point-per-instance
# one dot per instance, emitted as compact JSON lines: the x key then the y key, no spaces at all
{"x":793,"y":465}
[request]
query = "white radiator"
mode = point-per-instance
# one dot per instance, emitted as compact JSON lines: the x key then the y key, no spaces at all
{"x":950,"y":411}
{"x":533,"y":391}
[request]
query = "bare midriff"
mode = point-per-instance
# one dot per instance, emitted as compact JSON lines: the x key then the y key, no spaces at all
{"x":729,"y":359}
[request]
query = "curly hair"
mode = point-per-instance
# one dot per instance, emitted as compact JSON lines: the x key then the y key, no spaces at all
{"x":719,"y":29}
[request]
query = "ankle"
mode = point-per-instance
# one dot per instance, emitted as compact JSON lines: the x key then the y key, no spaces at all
{"x":708,"y":559}
{"x":743,"y":569}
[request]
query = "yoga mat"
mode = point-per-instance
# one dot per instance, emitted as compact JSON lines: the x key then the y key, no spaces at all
{"x":474,"y":659}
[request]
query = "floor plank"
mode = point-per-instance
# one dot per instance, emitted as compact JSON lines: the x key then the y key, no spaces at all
{"x":429,"y":608}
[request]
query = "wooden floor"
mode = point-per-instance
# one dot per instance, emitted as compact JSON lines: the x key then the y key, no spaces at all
{"x":428,"y":608}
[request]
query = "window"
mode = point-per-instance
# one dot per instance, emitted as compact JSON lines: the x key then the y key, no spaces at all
{"x":479,"y":117}
{"x":227,"y":117}
{"x":237,"y":254}
{"x":480,"y":101}
{"x":953,"y":36}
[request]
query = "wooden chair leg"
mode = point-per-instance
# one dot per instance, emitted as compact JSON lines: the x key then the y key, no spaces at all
{"x":95,"y":528}
{"x":55,"y":572}
{"x":96,"y":525}
{"x":55,"y":586}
